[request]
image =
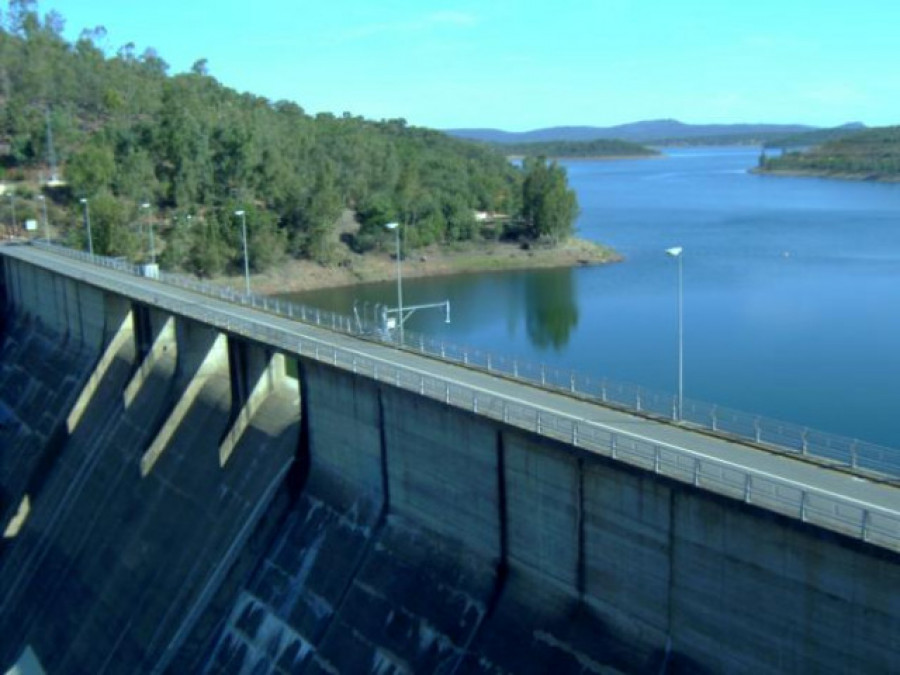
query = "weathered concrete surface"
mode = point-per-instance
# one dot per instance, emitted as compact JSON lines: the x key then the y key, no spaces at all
{"x":345,"y":588}
{"x":359,"y":528}
{"x":532,"y":558}
{"x":110,"y":565}
{"x":263,"y":372}
{"x":40,"y":376}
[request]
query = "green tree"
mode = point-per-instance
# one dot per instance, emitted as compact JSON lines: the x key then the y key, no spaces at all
{"x":210,"y":250}
{"x":549,"y":206}
{"x":266,"y":243}
{"x":91,"y":169}
{"x":179,"y":239}
{"x":110,"y":233}
{"x":323,"y":208}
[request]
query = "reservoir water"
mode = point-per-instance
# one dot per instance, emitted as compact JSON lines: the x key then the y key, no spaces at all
{"x":791,"y":291}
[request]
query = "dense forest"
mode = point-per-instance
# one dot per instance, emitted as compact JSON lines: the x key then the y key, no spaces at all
{"x":576,"y":149}
{"x":136,"y":149}
{"x":809,"y":139}
{"x":872,"y":153}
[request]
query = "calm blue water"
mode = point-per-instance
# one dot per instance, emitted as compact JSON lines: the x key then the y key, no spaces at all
{"x":791,"y":291}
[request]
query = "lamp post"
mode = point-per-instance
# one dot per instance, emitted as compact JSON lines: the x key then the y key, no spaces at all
{"x":396,"y":228}
{"x":676,"y":252}
{"x":12,"y":208}
{"x":43,"y":201}
{"x":87,"y":224}
{"x":146,"y":207}
{"x":243,"y":216}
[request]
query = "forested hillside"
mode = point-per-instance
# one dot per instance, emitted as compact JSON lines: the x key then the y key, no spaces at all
{"x":873,"y":153}
{"x":576,"y":149}
{"x":125,"y":133}
{"x":809,"y":139}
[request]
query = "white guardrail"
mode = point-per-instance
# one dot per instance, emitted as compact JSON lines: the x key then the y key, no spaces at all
{"x":840,"y":514}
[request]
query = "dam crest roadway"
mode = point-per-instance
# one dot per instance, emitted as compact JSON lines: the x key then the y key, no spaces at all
{"x":593,"y":536}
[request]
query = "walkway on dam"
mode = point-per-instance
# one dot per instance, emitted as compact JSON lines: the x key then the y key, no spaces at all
{"x":845,"y":496}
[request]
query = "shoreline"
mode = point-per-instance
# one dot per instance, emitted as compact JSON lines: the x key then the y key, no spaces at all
{"x":298,"y":276}
{"x":597,"y":158}
{"x":812,"y":173}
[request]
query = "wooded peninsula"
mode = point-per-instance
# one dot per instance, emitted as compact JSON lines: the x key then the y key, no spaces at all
{"x":597,"y":149}
{"x":110,"y":136}
{"x":871,"y":154}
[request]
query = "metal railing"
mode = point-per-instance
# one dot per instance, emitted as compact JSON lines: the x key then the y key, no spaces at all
{"x":841,"y":514}
{"x":775,"y":435}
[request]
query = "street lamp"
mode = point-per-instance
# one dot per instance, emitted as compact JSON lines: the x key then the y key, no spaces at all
{"x":243,"y":216}
{"x":12,"y":207}
{"x":396,"y":228}
{"x":676,"y":252}
{"x":43,"y":200}
{"x":87,"y":224}
{"x":146,"y":206}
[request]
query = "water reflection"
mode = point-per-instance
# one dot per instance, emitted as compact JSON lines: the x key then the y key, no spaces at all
{"x":541,"y":304}
{"x":788,"y":294}
{"x":551,"y":309}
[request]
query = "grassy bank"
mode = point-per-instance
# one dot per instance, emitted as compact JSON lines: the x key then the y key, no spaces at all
{"x":350,"y":268}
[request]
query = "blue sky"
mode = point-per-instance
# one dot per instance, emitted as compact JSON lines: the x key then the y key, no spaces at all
{"x":527,"y":64}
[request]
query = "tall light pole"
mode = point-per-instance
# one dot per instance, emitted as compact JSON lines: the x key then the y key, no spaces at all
{"x":676,"y":252}
{"x":12,"y":208}
{"x":146,"y":207}
{"x":43,"y":200}
{"x":396,"y":228}
{"x":87,"y":224}
{"x":243,"y":216}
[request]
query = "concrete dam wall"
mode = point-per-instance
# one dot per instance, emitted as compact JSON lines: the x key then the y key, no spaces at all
{"x":173,"y":502}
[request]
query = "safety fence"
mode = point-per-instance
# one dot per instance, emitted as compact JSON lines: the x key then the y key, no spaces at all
{"x":775,"y":493}
{"x":775,"y":435}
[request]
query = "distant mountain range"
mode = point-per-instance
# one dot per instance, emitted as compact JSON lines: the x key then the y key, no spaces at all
{"x":647,"y":132}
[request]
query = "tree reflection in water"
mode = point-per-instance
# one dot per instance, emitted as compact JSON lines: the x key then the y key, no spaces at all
{"x":551,"y":310}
